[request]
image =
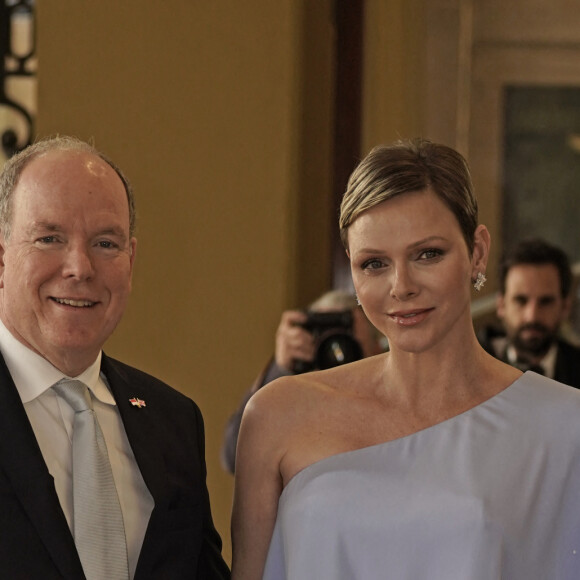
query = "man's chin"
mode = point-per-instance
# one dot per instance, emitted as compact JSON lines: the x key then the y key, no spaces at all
{"x":533,"y":348}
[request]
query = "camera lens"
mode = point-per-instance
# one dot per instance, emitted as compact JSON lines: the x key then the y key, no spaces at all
{"x":337,"y":349}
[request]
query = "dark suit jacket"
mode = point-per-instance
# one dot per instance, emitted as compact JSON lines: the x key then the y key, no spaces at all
{"x":567,"y":366}
{"x":167,"y":438}
{"x":567,"y":369}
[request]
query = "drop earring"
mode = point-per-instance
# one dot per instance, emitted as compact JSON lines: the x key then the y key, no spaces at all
{"x":357,"y":300}
{"x":479,"y":281}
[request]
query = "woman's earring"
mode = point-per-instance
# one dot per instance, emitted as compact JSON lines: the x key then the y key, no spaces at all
{"x":357,"y":300}
{"x":479,"y":281}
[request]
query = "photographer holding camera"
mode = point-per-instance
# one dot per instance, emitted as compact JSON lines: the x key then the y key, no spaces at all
{"x":331,"y":332}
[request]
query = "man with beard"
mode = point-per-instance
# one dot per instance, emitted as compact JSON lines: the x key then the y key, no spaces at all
{"x":534,"y":299}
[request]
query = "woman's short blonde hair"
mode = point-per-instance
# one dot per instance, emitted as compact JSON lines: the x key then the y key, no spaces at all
{"x":406,"y":166}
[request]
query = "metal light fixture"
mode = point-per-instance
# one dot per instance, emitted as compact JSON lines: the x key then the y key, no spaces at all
{"x":17,"y":74}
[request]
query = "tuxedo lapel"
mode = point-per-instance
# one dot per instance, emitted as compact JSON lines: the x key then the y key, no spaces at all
{"x":22,"y":462}
{"x":143,"y":438}
{"x":138,"y":427}
{"x":166,"y":436}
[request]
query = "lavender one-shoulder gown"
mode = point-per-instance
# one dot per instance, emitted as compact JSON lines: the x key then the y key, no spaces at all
{"x":492,"y":494}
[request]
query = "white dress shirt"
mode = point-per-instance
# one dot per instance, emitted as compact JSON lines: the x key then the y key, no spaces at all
{"x":52,"y":420}
{"x":548,"y":362}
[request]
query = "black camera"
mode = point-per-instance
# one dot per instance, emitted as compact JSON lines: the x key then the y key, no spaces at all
{"x":334,"y":341}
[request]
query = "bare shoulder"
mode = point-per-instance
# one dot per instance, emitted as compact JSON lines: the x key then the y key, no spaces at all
{"x":295,"y":421}
{"x":302,"y":391}
{"x":273,"y":411}
{"x":284,"y":399}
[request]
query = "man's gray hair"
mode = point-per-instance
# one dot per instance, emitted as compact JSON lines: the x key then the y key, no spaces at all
{"x":14,"y":167}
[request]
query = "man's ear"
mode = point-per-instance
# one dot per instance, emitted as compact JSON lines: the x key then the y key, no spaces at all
{"x":567,"y":307}
{"x":132,"y":251}
{"x":500,"y":305}
{"x":2,"y":251}
{"x":132,"y":254}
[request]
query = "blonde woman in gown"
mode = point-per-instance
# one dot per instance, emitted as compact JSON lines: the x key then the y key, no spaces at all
{"x":433,"y":461}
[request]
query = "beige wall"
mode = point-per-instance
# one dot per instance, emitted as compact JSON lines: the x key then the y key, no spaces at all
{"x":219,"y":112}
{"x":394,"y":71}
{"x":523,"y":42}
{"x":437,"y":68}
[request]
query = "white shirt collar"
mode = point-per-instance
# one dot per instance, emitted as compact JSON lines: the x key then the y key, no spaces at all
{"x":33,"y":374}
{"x":548,"y":363}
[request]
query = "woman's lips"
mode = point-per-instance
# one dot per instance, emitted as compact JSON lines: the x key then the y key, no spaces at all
{"x":410,"y":317}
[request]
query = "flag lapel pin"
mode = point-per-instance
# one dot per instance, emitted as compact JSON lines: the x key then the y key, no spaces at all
{"x":137,"y":402}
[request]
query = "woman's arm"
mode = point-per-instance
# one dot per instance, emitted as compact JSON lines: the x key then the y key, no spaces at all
{"x":258,"y":483}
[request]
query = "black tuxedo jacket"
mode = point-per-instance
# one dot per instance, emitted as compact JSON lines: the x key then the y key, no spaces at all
{"x":567,"y":366}
{"x":167,"y":438}
{"x":567,"y":369}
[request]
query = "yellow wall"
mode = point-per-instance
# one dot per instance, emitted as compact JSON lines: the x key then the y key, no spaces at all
{"x":219,"y":113}
{"x":393,"y":79}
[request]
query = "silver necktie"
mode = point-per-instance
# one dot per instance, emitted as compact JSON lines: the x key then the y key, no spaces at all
{"x":98,"y":527}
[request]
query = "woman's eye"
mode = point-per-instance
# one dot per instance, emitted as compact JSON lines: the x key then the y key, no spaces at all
{"x":430,"y":254}
{"x":372,"y":264}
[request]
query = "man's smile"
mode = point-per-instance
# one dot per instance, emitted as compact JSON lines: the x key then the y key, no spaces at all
{"x":72,"y":302}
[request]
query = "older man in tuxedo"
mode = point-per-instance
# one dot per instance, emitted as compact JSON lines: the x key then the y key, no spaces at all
{"x":67,"y":250}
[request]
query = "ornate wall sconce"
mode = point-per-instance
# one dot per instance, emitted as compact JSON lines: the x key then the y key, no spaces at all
{"x":17,"y":75}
